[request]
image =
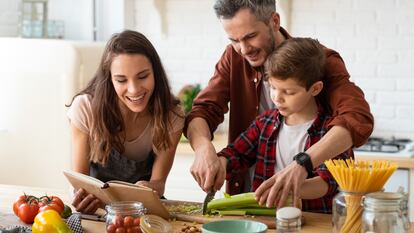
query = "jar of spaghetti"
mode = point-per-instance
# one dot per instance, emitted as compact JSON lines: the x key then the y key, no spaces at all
{"x":383,"y":213}
{"x":347,"y":212}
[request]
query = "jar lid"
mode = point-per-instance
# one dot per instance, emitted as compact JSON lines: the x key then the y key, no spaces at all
{"x":155,"y":224}
{"x":383,"y":201}
{"x":384,"y":196}
{"x":287,"y":213}
{"x":125,"y":207}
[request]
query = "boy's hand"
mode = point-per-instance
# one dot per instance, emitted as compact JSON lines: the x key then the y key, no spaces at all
{"x":276,"y":189}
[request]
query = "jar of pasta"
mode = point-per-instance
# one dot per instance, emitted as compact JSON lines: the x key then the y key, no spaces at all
{"x":383,"y":213}
{"x":124,"y":216}
{"x":347,"y":212}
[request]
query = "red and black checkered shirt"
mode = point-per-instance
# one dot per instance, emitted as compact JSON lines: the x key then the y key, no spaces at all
{"x":257,"y":145}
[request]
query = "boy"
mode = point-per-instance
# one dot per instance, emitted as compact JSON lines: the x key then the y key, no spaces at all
{"x":295,"y":70}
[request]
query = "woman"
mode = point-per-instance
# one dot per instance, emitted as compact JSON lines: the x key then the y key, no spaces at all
{"x":125,"y":124}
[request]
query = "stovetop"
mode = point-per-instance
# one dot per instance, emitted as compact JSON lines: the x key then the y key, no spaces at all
{"x":401,"y":147}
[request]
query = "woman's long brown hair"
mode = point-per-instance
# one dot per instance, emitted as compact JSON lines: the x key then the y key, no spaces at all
{"x":108,"y":127}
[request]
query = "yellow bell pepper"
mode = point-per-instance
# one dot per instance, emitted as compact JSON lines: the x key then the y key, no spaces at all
{"x":49,"y":221}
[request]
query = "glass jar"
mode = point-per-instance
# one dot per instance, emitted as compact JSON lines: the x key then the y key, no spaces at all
{"x":124,"y":216}
{"x":383,"y":213}
{"x":404,"y":211}
{"x":288,"y":219}
{"x":347,"y":212}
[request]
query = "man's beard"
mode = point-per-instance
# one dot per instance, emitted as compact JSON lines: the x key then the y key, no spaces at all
{"x":271,"y":42}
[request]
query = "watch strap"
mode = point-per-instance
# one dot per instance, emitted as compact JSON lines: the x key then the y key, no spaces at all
{"x":303,"y":159}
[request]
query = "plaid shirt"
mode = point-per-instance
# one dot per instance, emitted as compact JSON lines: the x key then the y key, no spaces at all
{"x":257,"y":145}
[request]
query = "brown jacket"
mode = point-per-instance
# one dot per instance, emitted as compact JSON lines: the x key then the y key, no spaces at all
{"x":239,"y":84}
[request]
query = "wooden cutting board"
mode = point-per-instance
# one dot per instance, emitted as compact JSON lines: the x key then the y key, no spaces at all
{"x":198,"y":217}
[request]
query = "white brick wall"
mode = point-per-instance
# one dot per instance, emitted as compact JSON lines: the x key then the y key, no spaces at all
{"x":186,"y":34}
{"x":374,"y":37}
{"x":376,"y":40}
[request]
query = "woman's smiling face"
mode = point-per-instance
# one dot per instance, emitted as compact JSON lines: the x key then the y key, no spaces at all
{"x":133,"y":79}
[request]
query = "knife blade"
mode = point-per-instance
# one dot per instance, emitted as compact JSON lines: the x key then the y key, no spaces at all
{"x":210,"y":196}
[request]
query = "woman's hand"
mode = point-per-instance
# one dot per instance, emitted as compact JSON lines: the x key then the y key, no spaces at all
{"x":86,"y":203}
{"x":157,"y":185}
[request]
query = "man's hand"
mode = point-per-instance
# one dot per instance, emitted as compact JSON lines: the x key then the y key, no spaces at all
{"x":207,"y":169}
{"x":276,"y":189}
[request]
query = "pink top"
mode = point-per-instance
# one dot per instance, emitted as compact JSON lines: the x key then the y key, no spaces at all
{"x":80,"y":114}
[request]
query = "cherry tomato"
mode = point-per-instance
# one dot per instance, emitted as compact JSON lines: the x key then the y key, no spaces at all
{"x":118,"y":221}
{"x":137,"y":221}
{"x":136,"y":229}
{"x":120,"y":230}
{"x":111,"y":228}
{"x":128,"y":221}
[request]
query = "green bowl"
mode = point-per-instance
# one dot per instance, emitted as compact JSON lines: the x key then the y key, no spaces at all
{"x":232,"y":226}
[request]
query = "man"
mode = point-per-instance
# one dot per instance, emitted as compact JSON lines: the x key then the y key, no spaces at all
{"x":253,"y":27}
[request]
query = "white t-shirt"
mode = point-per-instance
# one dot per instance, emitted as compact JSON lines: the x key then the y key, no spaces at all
{"x":80,"y":114}
{"x":290,"y":141}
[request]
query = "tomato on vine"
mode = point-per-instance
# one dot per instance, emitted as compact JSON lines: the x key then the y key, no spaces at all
{"x":26,"y":207}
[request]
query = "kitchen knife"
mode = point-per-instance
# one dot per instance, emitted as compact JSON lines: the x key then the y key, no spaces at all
{"x":209,"y":197}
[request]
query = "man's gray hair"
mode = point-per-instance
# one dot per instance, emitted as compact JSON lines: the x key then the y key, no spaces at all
{"x":262,"y":9}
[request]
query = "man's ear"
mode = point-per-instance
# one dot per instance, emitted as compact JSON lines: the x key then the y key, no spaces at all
{"x":275,"y":21}
{"x":316,"y":88}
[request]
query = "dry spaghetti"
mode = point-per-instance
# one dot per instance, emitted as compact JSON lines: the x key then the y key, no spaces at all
{"x":358,"y":177}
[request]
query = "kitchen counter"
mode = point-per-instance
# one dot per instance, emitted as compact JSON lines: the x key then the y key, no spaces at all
{"x":220,"y":141}
{"x":8,"y":193}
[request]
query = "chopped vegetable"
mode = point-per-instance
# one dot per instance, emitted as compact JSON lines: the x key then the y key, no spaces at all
{"x":241,"y":204}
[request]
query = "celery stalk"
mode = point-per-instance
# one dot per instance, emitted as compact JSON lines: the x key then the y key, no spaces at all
{"x":247,"y":211}
{"x":241,"y":204}
{"x":234,"y":201}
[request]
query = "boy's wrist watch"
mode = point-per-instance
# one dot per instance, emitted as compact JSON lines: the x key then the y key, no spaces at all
{"x":304,"y":160}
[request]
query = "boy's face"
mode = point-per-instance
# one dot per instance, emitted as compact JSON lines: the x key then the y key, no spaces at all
{"x":292,"y":98}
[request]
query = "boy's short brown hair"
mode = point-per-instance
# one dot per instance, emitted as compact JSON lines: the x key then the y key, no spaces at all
{"x":300,"y":58}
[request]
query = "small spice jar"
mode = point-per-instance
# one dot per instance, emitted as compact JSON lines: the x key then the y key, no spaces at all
{"x":288,"y":219}
{"x":124,"y":216}
{"x":383,"y":213}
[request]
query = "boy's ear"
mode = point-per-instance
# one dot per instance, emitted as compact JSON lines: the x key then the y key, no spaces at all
{"x":316,"y":88}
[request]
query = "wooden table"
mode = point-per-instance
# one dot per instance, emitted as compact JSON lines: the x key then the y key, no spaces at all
{"x":8,"y":193}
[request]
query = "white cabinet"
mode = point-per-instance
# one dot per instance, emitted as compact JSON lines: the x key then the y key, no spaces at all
{"x":400,"y":178}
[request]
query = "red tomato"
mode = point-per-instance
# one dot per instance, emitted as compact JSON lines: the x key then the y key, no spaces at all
{"x":111,"y":228}
{"x":120,"y":230}
{"x":27,"y":212}
{"x":22,"y":199}
{"x":136,"y":229}
{"x":51,"y":202}
{"x":137,"y":221}
{"x":118,"y":221}
{"x":26,"y":208}
{"x":128,"y":221}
